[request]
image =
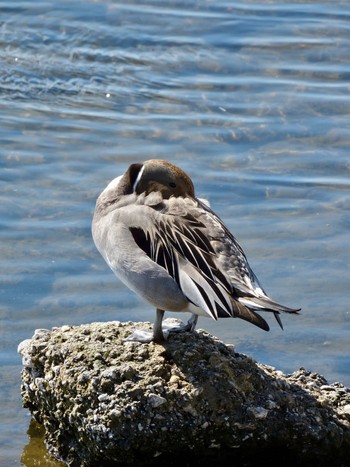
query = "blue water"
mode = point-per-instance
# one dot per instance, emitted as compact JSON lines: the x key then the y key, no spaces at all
{"x":251,"y":99}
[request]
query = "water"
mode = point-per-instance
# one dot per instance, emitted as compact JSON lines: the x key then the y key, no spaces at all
{"x":251,"y":99}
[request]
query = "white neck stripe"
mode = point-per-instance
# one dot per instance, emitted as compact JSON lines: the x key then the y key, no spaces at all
{"x":138,"y":178}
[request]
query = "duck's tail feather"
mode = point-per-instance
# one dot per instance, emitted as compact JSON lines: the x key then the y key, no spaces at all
{"x":243,"y":312}
{"x":266,"y":304}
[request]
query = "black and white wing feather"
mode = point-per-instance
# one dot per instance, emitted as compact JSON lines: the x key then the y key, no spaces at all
{"x":206,"y":261}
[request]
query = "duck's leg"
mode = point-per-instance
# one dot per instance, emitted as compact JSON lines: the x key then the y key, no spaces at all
{"x":158,"y":335}
{"x":191,"y":323}
{"x":146,"y":336}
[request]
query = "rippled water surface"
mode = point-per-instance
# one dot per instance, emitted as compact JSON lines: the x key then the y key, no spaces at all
{"x":251,"y":99}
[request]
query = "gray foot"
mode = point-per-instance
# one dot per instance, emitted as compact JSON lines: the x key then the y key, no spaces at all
{"x":180,"y":326}
{"x":169,"y":325}
{"x":140,"y":335}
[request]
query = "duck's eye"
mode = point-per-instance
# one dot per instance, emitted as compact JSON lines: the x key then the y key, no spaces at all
{"x":172,"y":184}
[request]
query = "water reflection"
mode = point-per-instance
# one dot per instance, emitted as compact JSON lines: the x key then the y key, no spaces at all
{"x":35,"y":453}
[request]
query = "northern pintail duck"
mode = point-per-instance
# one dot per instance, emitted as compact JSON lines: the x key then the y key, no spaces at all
{"x":170,"y":248}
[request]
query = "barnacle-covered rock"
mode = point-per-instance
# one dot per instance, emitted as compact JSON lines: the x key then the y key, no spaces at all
{"x":104,"y":401}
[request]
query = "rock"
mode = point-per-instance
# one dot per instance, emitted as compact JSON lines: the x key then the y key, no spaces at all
{"x":193,"y":400}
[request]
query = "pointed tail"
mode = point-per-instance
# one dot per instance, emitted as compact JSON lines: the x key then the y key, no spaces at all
{"x":246,"y":308}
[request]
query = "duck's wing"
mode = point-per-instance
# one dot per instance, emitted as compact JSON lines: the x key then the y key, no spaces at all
{"x":179,"y":245}
{"x":197,"y":250}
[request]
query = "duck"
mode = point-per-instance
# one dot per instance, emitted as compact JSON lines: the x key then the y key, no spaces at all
{"x":169,"y":247}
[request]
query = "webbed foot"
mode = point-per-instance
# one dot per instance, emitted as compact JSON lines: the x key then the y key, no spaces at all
{"x":162,"y":329}
{"x":140,"y":335}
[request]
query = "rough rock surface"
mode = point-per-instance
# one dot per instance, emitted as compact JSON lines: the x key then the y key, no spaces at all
{"x":193,"y":400}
